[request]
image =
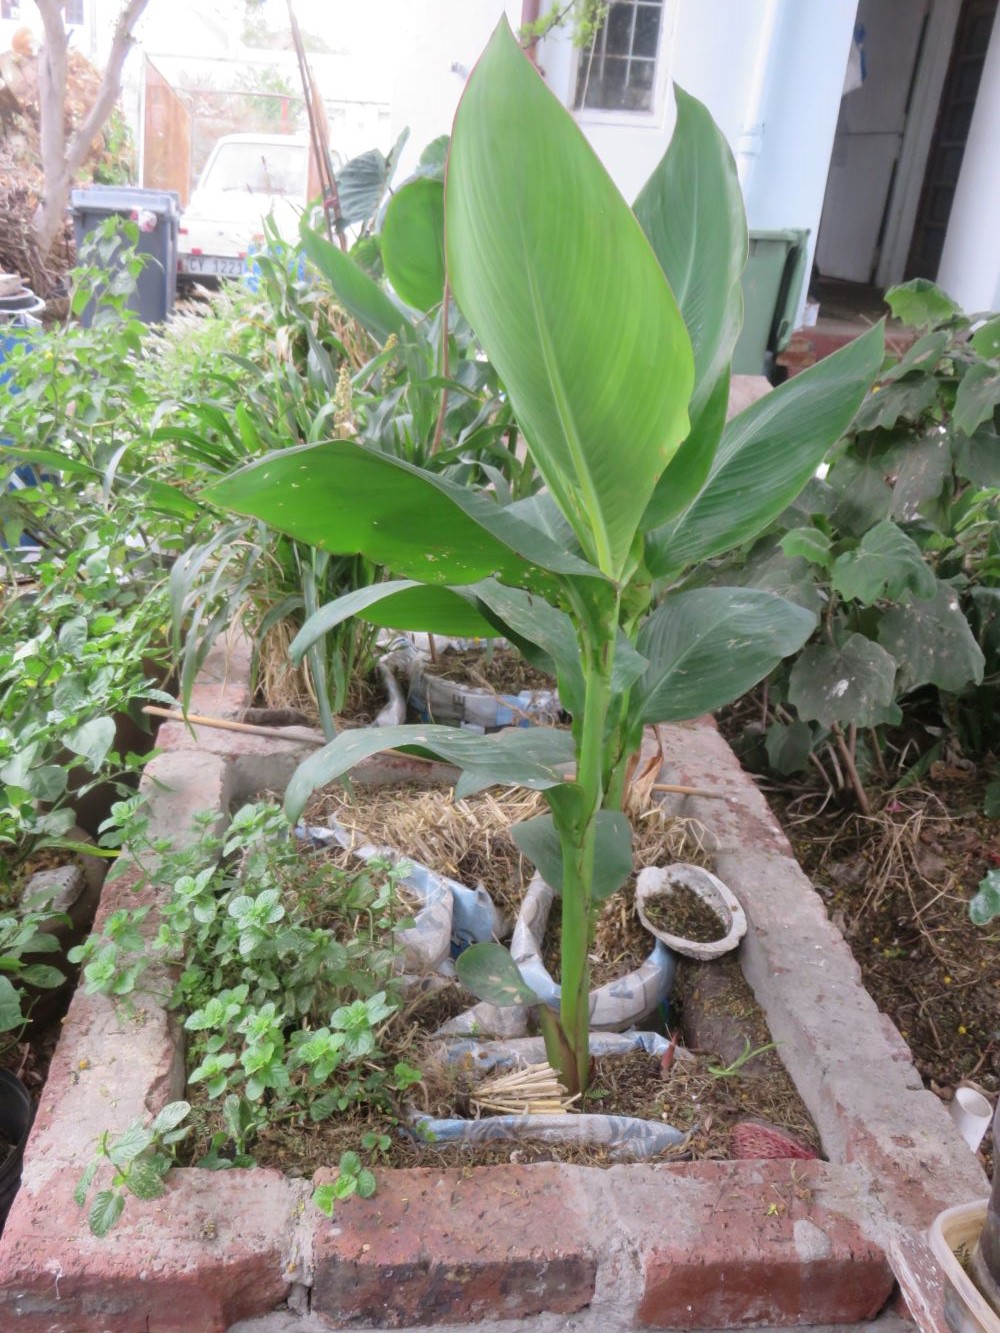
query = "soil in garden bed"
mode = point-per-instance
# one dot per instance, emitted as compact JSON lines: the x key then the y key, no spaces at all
{"x":897,"y":884}
{"x":503,"y":670}
{"x":686,"y":916}
{"x":698,"y":1090}
{"x":693,"y":1091}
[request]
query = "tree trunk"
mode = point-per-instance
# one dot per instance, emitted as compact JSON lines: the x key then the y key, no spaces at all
{"x":61,"y":160}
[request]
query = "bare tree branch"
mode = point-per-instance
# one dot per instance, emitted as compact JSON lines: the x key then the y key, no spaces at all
{"x":60,"y":162}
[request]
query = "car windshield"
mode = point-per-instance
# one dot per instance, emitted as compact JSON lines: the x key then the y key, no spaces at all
{"x":259,"y":168}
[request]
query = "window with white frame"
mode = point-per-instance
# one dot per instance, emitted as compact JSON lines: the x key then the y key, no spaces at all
{"x":617,"y":70}
{"x":10,"y":9}
{"x":74,"y":12}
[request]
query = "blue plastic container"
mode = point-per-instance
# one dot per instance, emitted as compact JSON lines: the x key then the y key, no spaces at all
{"x":14,"y":332}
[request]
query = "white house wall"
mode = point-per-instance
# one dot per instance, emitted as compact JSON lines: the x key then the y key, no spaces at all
{"x":770,"y":71}
{"x":970,"y":262}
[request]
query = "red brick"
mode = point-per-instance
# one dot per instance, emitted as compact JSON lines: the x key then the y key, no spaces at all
{"x":216,"y":1248}
{"x":760,"y":1246}
{"x":444,"y":1247}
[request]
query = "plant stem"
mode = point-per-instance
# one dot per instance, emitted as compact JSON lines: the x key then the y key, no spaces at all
{"x":578,"y":847}
{"x":439,"y":425}
{"x":854,"y":777}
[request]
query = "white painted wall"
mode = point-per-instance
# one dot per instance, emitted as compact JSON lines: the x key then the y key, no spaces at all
{"x":432,"y":47}
{"x":770,"y":71}
{"x":970,"y":262}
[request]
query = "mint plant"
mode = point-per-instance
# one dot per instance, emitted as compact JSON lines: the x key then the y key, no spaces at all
{"x":282,"y":968}
{"x":138,"y":1160}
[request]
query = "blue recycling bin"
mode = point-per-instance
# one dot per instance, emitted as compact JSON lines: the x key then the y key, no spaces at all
{"x":15,"y":331}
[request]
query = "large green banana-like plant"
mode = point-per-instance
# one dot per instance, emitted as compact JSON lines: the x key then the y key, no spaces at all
{"x":612,"y":331}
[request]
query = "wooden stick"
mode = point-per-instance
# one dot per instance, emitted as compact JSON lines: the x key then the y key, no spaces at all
{"x":226,"y":724}
{"x":250,"y":729}
{"x":688,"y":791}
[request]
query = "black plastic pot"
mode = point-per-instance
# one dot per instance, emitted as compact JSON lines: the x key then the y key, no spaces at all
{"x":16,"y":1112}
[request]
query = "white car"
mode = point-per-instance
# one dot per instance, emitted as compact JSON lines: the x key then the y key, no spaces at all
{"x":246,"y":178}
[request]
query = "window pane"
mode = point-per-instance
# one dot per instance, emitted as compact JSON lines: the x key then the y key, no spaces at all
{"x":618,"y":72}
{"x":619,"y":29}
{"x":74,"y":11}
{"x":647,"y":31}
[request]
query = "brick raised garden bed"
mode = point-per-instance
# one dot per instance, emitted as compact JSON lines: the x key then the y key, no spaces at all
{"x":682,"y":1245}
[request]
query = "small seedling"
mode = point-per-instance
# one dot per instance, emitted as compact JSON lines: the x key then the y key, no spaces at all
{"x":746,"y":1055}
{"x":140,"y":1157}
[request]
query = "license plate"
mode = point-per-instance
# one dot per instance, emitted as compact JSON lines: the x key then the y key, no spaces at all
{"x":216,"y":266}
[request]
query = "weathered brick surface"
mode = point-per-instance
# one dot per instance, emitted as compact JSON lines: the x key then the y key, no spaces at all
{"x":751,"y":1243}
{"x":218,"y":1247}
{"x":691,"y":1245}
{"x":449,"y":1246}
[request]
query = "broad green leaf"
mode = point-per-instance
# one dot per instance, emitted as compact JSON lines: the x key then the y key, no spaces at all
{"x":887,"y":563}
{"x":93,"y":740}
{"x":977,"y":398}
{"x":363,"y":181}
{"x":324,"y":1197}
{"x":789,"y":746}
{"x":807,"y":544}
{"x":171,"y":1116}
{"x":691,"y":209}
{"x":986,"y":339}
{"x":529,"y":757}
{"x":924,"y":354}
{"x":766,"y":456}
{"x":10,"y":1006}
{"x":708,"y":646}
{"x":413,"y":243}
{"x":40,"y":974}
{"x":920,"y":303}
{"x":862,"y":495}
{"x":400,"y":604}
{"x":346,"y":498}
{"x":492,"y":975}
{"x":932,"y":642}
{"x":538,"y":629}
{"x":986,"y":904}
{"x":48,"y":459}
{"x":907,"y":398}
{"x":795,"y":579}
{"x":134,"y":1139}
{"x":105,"y":1211}
{"x":688,"y":470}
{"x":920,"y":468}
{"x":539,"y":841}
{"x":977,"y":459}
{"x":852,"y":683}
{"x":145,"y":1181}
{"x":434,"y":157}
{"x":991,"y":801}
{"x":359,"y":294}
{"x":551,"y":268}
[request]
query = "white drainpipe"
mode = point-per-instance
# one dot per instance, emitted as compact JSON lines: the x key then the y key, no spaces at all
{"x":751,"y":140}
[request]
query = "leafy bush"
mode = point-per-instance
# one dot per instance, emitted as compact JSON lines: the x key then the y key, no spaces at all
{"x":897,"y":550}
{"x":282,"y":967}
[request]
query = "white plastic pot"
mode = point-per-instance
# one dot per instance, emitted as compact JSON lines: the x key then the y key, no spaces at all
{"x":656,"y":882}
{"x":953,"y":1237}
{"x":615,"y":1006}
